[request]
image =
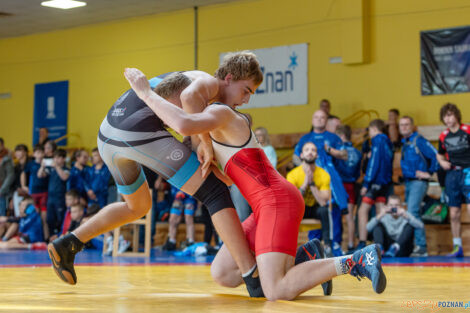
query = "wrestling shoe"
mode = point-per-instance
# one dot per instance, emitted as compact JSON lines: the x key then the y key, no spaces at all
{"x":62,"y":253}
{"x":456,"y":253}
{"x":367,"y":263}
{"x":313,"y":250}
{"x":169,"y":246}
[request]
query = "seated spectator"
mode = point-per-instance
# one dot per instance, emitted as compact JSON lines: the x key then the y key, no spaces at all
{"x":186,"y":204}
{"x":332,"y":123}
{"x":78,"y":173}
{"x":418,"y":163}
{"x":97,"y":180}
{"x":72,"y":198}
{"x":43,"y":136}
{"x":454,"y":157}
{"x":37,"y":187}
{"x":24,"y":232}
{"x":21,"y":159}
{"x":7,"y":177}
{"x":349,"y":170}
{"x":391,"y":127}
{"x":377,"y":183}
{"x":262,"y":136}
{"x":58,"y":175}
{"x":313,"y":183}
{"x":393,"y":229}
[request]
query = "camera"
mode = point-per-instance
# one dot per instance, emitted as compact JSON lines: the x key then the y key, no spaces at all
{"x":394,"y":211}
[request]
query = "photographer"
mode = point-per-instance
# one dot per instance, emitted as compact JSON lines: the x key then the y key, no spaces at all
{"x":393,"y":229}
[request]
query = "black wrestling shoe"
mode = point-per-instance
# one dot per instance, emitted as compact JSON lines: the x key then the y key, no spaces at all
{"x":313,"y":250}
{"x":253,"y":284}
{"x":62,"y":253}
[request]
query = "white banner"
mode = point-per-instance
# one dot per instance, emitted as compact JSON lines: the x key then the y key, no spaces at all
{"x":285,"y":77}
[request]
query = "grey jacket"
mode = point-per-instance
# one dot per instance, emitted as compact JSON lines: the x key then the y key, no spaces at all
{"x":7,"y":175}
{"x":394,"y":226}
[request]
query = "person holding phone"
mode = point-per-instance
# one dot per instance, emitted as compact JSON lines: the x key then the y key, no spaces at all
{"x":393,"y":228}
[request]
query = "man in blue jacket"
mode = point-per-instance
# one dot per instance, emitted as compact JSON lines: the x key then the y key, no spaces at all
{"x":418,"y":163}
{"x":377,"y":182}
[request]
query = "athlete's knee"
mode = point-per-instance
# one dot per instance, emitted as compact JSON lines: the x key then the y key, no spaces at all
{"x":140,"y":205}
{"x":225,"y":277}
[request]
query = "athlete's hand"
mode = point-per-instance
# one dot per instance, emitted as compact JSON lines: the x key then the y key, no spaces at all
{"x":205,"y":154}
{"x":363,"y":191}
{"x":138,"y":82}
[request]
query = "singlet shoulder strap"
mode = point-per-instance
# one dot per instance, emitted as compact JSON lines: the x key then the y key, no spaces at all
{"x":249,"y":127}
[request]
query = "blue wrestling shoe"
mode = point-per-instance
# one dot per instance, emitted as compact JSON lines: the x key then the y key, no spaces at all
{"x":456,"y":253}
{"x":367,"y":263}
{"x":313,"y":250}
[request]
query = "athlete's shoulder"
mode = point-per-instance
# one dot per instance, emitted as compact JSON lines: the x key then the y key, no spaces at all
{"x":443,"y":135}
{"x":465,"y":128}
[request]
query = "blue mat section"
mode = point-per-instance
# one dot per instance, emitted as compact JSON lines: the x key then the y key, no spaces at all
{"x":158,"y":257}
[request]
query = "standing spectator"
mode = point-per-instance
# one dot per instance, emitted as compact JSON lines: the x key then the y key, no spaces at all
{"x":22,"y":158}
{"x":314,"y":185}
{"x":49,"y":148}
{"x":332,"y":123}
{"x":418,"y":163}
{"x":43,"y":136}
{"x":325,"y":106}
{"x":78,"y":173}
{"x":349,"y":170}
{"x":97,"y":180}
{"x":37,"y":187}
{"x":7,"y":177}
{"x":454,"y":157}
{"x":262,"y":136}
{"x":58,"y":175}
{"x":391,"y":129}
{"x":378,"y":179}
{"x":393,"y":228}
{"x":328,"y":149}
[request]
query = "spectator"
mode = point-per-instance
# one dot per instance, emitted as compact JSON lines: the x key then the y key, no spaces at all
{"x":393,"y":228}
{"x":22,"y":158}
{"x":72,"y":198}
{"x":378,"y":179}
{"x":418,"y":163}
{"x":24,"y":232}
{"x":349,"y":170}
{"x":454,"y":157}
{"x":262,"y":136}
{"x":325,"y":106}
{"x":328,"y":149}
{"x":314,"y":185}
{"x":391,"y":129}
{"x":97,"y":180}
{"x":186,"y":204}
{"x":7,"y":177}
{"x":58,"y":175}
{"x":49,"y":148}
{"x":78,"y":173}
{"x":43,"y":136}
{"x":332,"y":123}
{"x":77,"y":211}
{"x":37,"y":187}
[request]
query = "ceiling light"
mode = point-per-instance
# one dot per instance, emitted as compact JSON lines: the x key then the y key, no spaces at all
{"x":63,"y":4}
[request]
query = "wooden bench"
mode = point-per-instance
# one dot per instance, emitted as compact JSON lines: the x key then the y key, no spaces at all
{"x":161,"y":233}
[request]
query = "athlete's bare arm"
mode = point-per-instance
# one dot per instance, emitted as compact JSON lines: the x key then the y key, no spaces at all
{"x":185,"y":124}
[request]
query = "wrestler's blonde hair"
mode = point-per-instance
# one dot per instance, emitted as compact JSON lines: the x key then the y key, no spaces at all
{"x":172,"y":84}
{"x":241,"y":65}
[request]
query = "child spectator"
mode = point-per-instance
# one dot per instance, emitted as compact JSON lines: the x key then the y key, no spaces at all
{"x":378,"y":179}
{"x":349,"y":170}
{"x":393,"y":229}
{"x":37,"y":187}
{"x":97,"y":180}
{"x":24,"y":232}
{"x":58,"y":175}
{"x":181,"y":203}
{"x":77,"y":211}
{"x":77,"y":179}
{"x":72,"y":198}
{"x":49,"y":148}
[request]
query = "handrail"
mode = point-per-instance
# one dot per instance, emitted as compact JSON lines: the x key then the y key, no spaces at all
{"x":70,"y":135}
{"x":359,"y":114}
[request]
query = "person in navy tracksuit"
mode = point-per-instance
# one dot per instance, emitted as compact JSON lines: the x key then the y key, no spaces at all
{"x":377,"y":182}
{"x":78,"y":172}
{"x":97,"y":180}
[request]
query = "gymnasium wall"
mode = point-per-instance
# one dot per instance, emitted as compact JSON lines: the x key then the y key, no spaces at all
{"x":379,"y":39}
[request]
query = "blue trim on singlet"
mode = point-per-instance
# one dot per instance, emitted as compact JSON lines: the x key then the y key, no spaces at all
{"x":185,"y":172}
{"x":155,"y":81}
{"x":130,"y":189}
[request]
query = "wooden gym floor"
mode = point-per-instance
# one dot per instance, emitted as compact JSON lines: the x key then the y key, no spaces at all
{"x":164,"y":283}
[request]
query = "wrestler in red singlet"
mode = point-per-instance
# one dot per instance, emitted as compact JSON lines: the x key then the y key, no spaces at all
{"x":278,"y":207}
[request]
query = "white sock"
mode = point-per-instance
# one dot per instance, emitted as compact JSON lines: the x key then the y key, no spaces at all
{"x":341,"y":265}
{"x":457,"y":241}
{"x":250,"y":271}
